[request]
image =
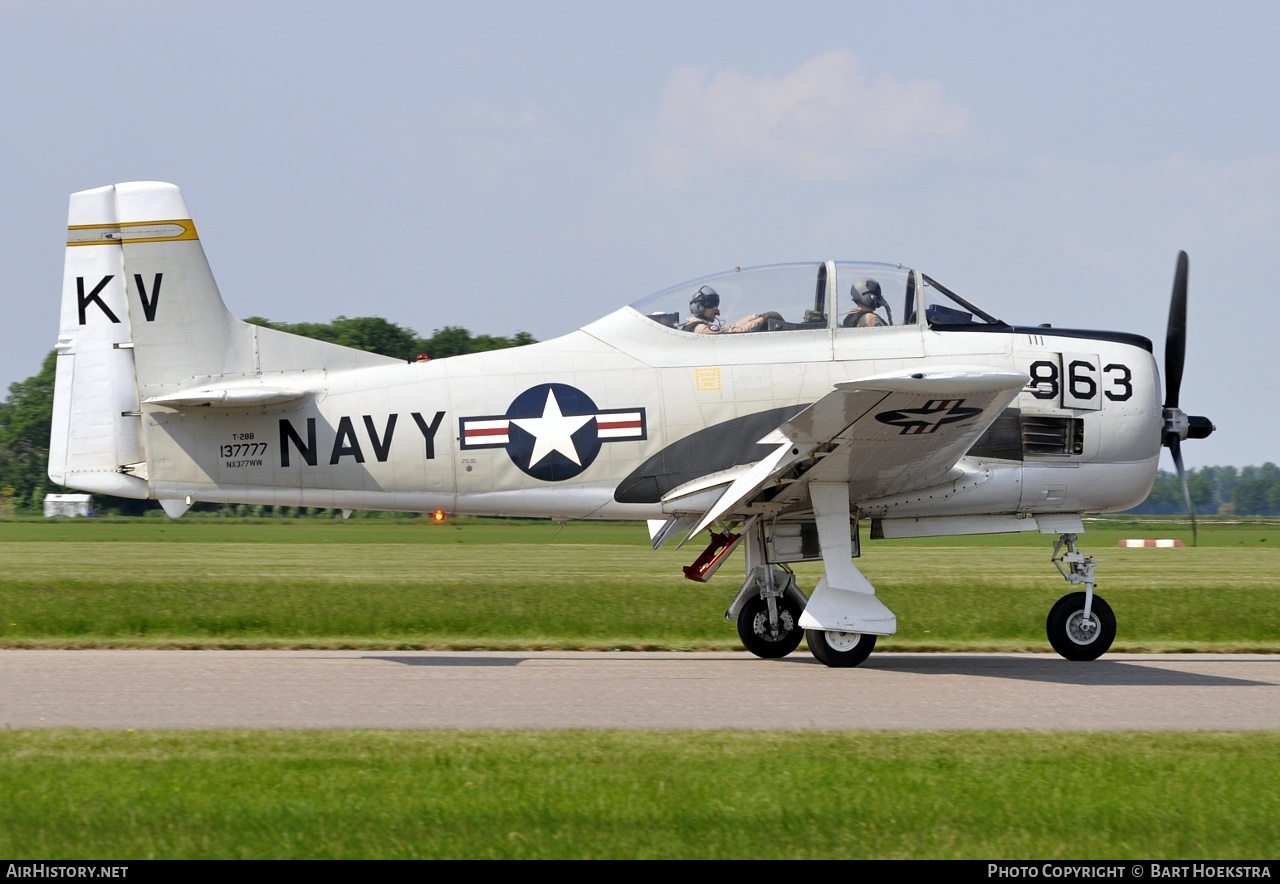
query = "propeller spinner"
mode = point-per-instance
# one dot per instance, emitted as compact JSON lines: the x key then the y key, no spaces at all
{"x":1177,"y":424}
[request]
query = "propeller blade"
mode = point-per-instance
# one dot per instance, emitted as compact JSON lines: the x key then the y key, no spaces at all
{"x":1175,"y":344}
{"x":1175,"y":449}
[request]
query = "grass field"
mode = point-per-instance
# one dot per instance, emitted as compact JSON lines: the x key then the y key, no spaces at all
{"x":503,"y":585}
{"x":628,"y":795}
{"x":493,"y":584}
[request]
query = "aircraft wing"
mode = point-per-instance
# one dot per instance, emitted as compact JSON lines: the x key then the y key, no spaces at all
{"x":884,"y":435}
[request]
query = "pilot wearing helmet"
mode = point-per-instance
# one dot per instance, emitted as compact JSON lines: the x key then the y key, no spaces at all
{"x":867,"y":299}
{"x":704,"y":316}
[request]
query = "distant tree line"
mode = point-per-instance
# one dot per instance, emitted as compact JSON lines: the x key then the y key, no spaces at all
{"x":1224,"y":491}
{"x":377,"y":335}
{"x":24,"y":442}
{"x":26,"y":414}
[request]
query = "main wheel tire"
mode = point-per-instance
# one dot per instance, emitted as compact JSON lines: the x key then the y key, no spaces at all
{"x":840,"y":649}
{"x":1070,"y":636}
{"x":759,"y":639}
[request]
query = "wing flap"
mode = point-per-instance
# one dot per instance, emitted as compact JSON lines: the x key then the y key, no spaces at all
{"x":746,"y":485}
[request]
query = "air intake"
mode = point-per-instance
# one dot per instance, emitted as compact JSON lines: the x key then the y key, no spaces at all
{"x":1052,"y":436}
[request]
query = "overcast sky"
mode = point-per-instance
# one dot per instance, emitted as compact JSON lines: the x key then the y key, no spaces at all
{"x":531,"y":166}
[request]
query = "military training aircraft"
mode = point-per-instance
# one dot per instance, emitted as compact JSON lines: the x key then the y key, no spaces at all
{"x":832,"y":394}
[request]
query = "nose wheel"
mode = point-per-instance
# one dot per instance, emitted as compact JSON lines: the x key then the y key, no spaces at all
{"x":1078,"y":636}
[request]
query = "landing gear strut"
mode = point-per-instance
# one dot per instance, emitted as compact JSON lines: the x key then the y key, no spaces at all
{"x":1081,"y":625}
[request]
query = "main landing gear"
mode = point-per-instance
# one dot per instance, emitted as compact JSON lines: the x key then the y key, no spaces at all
{"x":840,"y":649}
{"x":770,"y":626}
{"x":769,"y":607}
{"x":1081,"y":626}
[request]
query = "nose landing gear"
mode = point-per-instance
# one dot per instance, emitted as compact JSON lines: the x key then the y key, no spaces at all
{"x":1081,"y":625}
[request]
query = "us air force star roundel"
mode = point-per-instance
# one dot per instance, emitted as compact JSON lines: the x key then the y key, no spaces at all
{"x":552,"y":431}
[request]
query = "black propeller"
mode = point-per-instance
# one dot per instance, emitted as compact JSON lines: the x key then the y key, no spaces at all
{"x":1177,"y":424}
{"x":1175,"y":341}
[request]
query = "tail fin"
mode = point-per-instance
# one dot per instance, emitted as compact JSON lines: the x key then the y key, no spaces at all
{"x":142,"y":322}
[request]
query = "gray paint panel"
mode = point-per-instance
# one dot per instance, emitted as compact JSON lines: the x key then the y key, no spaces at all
{"x":710,"y":450}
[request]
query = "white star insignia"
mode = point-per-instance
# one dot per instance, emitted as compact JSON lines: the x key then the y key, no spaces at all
{"x":553,"y":431}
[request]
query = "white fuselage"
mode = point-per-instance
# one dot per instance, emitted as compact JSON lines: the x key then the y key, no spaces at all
{"x":443,"y":434}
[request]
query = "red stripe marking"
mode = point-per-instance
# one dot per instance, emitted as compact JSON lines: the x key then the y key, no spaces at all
{"x":497,"y":431}
{"x":618,"y":425}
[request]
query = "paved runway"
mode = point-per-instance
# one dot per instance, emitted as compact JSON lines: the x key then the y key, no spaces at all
{"x":407,"y":689}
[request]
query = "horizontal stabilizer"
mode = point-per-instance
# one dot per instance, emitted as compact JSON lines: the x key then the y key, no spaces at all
{"x":227,"y":397}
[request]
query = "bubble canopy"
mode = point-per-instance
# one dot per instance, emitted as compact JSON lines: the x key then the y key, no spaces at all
{"x":800,"y":297}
